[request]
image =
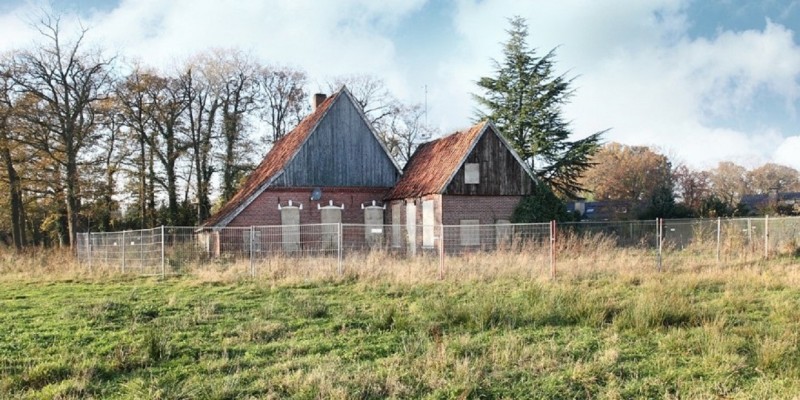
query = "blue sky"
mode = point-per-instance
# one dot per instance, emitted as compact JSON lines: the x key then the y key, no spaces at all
{"x":703,"y":81}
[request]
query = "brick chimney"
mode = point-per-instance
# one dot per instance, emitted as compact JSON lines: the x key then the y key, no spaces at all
{"x":317,"y":100}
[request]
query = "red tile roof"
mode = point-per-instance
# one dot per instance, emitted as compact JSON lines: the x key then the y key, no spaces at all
{"x":434,"y":163}
{"x":276,"y":160}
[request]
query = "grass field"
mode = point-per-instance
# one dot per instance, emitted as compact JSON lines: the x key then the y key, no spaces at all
{"x":696,"y":332}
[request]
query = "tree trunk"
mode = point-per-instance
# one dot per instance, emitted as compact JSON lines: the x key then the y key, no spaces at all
{"x":172,"y":194}
{"x":142,"y":181}
{"x":151,"y":191}
{"x":228,"y":185}
{"x":15,"y":200}
{"x":73,"y":205}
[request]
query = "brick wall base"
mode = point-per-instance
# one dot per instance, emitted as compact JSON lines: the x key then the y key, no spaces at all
{"x":264,"y":210}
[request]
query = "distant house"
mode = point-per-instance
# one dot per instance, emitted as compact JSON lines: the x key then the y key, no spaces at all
{"x":331,"y":168}
{"x":787,"y":203}
{"x":606,"y":210}
{"x":468,"y":178}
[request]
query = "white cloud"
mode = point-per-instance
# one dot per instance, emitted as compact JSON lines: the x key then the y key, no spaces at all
{"x":641,"y":75}
{"x":638,"y":72}
{"x":788,"y":152}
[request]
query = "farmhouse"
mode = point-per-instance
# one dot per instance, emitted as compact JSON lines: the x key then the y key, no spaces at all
{"x":472,"y":177}
{"x":331,"y":168}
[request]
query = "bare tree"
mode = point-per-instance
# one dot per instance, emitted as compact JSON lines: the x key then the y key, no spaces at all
{"x":114,"y":152}
{"x":167,"y":144}
{"x":67,"y":82}
{"x":406,"y":130}
{"x":202,"y":86}
{"x":237,"y":95}
{"x":371,"y":94}
{"x":284,"y":98}
{"x":136,"y":111}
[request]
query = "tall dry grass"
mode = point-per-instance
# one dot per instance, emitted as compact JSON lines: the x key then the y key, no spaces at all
{"x":577,"y":257}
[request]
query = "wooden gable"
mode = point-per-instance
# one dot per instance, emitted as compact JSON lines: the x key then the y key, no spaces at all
{"x":499,"y":171}
{"x":342,"y":151}
{"x":334,"y":146}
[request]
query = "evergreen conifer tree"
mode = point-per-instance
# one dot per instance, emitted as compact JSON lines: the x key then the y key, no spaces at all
{"x":524,"y":99}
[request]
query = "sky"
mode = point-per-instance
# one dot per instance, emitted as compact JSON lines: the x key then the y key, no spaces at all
{"x":701,"y":81}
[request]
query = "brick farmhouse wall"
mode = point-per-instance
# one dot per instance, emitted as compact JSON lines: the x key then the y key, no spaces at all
{"x":450,"y":210}
{"x":487,"y":209}
{"x":264,"y":211}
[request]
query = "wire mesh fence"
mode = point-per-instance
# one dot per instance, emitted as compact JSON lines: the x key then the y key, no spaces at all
{"x":328,"y":249}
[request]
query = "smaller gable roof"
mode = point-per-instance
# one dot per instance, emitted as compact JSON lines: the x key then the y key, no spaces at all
{"x":434,"y":163}
{"x":273,"y":164}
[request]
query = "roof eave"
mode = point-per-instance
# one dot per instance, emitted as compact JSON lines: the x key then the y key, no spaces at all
{"x":238,"y":210}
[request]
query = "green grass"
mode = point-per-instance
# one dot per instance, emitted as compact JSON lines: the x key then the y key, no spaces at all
{"x":730,"y":334}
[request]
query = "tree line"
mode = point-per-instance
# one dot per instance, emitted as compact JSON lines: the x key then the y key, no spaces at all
{"x":656,"y":186}
{"x":89,"y":142}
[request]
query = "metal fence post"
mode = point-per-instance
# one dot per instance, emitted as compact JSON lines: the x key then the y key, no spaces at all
{"x":339,"y":269}
{"x":123,"y":252}
{"x":766,"y":237}
{"x":552,"y":249}
{"x":749,"y":237}
{"x":719,"y":237}
{"x":660,"y":236}
{"x":141,"y":249}
{"x":441,"y":251}
{"x":252,"y":239}
{"x":163,"y":269}
{"x":89,"y":249}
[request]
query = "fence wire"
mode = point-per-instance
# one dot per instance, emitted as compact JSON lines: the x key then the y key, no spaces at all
{"x":466,"y":248}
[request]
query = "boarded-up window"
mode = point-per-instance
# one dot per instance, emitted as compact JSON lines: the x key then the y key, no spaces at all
{"x":427,"y":223}
{"x":397,"y":225}
{"x":503,"y":231}
{"x":470,"y":232}
{"x":472,"y":174}
{"x":290,"y":219}
{"x":331,"y":218}
{"x":204,"y":242}
{"x":373,"y":225}
{"x":411,"y":227}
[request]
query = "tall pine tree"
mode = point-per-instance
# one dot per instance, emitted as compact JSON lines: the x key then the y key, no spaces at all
{"x":524,"y":99}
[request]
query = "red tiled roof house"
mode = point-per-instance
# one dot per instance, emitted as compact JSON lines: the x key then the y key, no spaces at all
{"x":331,"y":168}
{"x":465,"y":179}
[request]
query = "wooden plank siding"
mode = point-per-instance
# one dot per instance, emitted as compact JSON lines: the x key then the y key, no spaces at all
{"x":341,"y":152}
{"x":500,"y":172}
